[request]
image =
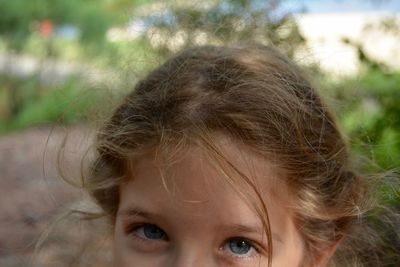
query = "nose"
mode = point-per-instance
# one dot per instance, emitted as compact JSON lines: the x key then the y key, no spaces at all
{"x":190,"y":256}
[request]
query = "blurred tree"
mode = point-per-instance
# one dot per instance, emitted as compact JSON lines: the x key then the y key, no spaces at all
{"x":175,"y":24}
{"x":20,"y":19}
{"x":368,"y":108}
{"x":91,"y":17}
{"x":371,"y":113}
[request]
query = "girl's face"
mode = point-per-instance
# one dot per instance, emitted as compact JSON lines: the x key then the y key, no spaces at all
{"x":193,"y":217}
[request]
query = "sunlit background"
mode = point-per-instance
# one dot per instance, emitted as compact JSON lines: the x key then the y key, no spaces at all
{"x":65,"y":63}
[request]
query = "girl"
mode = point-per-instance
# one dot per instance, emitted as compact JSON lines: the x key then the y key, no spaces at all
{"x":227,"y":156}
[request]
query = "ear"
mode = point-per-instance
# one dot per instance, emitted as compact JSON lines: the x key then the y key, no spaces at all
{"x":323,"y":256}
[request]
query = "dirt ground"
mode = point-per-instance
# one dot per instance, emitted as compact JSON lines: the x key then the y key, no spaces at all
{"x":33,"y":195}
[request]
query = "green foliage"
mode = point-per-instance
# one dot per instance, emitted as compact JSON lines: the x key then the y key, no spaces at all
{"x":179,"y":24}
{"x":19,"y":18}
{"x":132,"y":59}
{"x":16,"y":19}
{"x":369,"y":111}
{"x":368,"y":107}
{"x":71,"y":102}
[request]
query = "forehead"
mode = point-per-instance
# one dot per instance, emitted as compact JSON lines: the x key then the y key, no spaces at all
{"x":195,"y":184}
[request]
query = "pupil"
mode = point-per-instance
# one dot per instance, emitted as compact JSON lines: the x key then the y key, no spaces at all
{"x":153,"y":232}
{"x":239,"y":247}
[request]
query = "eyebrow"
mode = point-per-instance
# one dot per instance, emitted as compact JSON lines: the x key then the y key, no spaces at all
{"x":251,"y":230}
{"x":134,"y":211}
{"x":244,"y":228}
{"x":241,"y":228}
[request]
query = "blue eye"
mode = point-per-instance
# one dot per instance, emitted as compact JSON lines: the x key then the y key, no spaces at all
{"x":242,"y":249}
{"x":239,"y":246}
{"x":150,"y":231}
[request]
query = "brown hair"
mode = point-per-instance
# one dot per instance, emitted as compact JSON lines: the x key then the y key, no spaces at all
{"x":257,"y":96}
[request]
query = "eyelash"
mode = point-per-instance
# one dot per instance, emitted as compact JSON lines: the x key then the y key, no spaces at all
{"x":131,"y":229}
{"x":254,"y":246}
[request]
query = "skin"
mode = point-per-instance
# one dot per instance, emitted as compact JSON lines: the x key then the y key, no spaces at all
{"x":195,"y":218}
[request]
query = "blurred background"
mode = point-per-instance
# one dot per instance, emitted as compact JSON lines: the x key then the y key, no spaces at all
{"x":65,"y":63}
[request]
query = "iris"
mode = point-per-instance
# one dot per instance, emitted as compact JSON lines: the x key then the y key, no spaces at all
{"x":150,"y":231}
{"x":238,"y":246}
